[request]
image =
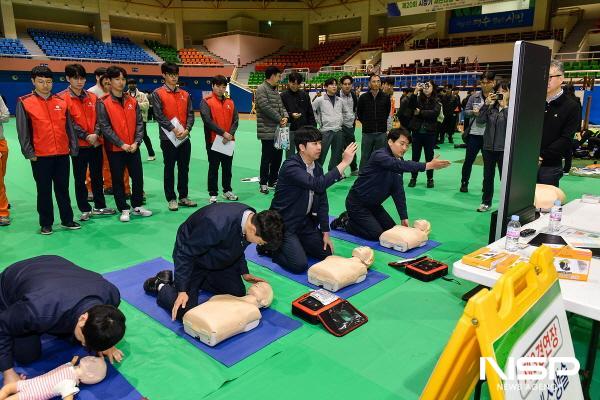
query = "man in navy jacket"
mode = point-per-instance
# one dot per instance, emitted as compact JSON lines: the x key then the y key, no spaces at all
{"x":209,"y":254}
{"x":301,"y":199}
{"x":51,"y":295}
{"x":379,"y":179}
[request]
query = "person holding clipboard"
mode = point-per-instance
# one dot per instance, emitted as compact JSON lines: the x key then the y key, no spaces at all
{"x":173,"y":111}
{"x":220,"y":119}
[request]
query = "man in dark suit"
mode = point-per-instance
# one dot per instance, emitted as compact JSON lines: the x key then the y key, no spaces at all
{"x":301,"y":199}
{"x":51,"y":295}
{"x":209,"y":254}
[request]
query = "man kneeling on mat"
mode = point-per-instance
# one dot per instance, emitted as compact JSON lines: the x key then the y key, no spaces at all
{"x":381,"y":178}
{"x":51,"y":295}
{"x":301,"y":199}
{"x":209,"y":254}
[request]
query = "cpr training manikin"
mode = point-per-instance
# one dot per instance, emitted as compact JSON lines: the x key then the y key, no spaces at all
{"x":335,"y":272}
{"x":61,"y":381}
{"x":224,"y":316}
{"x":403,"y":238}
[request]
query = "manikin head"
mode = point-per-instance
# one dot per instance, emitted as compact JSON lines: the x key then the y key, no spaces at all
{"x":91,"y":370}
{"x":365,"y":254}
{"x":265,"y":229}
{"x":308,"y":143}
{"x":399,"y":140}
{"x":422,"y":225}
{"x":261,"y":294}
{"x":100,"y":328}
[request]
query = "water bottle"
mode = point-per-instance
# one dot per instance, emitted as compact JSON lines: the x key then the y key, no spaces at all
{"x":513,"y":232}
{"x":555,"y":216}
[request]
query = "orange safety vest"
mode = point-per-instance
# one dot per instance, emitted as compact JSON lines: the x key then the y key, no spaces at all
{"x":123,"y":119}
{"x":83,"y":112}
{"x":174,"y":104}
{"x":48,"y":124}
{"x":221,"y":112}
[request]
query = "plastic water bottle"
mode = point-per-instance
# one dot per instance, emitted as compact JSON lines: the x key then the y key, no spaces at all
{"x":513,"y":232}
{"x":555,"y":216}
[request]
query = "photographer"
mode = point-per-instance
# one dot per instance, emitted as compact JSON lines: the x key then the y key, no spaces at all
{"x":494,"y":114}
{"x":423,"y":125}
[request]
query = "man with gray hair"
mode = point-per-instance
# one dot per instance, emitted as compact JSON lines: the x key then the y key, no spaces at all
{"x":562,"y":120}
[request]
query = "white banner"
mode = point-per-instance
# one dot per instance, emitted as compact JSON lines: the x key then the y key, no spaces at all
{"x":411,"y":7}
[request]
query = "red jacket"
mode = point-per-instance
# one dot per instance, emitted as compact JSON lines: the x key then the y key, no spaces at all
{"x":83,"y":113}
{"x":43,"y":126}
{"x":222,"y":114}
{"x":118,"y":123}
{"x":174,"y":104}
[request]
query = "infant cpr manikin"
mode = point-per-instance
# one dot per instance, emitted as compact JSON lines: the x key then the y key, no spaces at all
{"x":224,"y":316}
{"x":403,"y":238}
{"x":546,"y":195}
{"x":335,"y":273}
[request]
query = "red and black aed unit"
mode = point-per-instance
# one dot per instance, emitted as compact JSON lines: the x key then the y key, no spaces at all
{"x":423,"y":268}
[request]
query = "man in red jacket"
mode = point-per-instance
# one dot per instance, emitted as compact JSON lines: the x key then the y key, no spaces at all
{"x":220,"y":123}
{"x":120,"y":122}
{"x":170,"y":102}
{"x":47,"y":138}
{"x":82,"y":109}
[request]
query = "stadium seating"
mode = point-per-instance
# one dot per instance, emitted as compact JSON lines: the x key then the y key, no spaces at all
{"x":193,"y":56}
{"x":166,"y":52}
{"x":12,"y":47}
{"x":313,"y":59}
{"x":582,"y":69}
{"x":435,"y":43}
{"x":323,"y":76}
{"x":388,"y":43}
{"x":78,"y":45}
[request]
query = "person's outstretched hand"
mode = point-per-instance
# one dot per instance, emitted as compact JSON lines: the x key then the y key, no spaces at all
{"x":436,"y":163}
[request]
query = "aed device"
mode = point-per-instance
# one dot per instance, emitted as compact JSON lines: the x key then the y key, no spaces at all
{"x":423,"y":268}
{"x":337,"y":315}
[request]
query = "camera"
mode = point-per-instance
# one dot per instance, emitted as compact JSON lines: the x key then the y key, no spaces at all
{"x":498,"y":96}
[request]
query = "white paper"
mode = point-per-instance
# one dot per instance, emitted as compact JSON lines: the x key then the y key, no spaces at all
{"x":226,"y":148}
{"x":171,"y":134}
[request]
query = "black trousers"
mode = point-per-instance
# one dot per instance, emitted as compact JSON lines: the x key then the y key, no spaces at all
{"x":89,"y":157}
{"x":214,"y":160}
{"x":50,"y":172}
{"x":226,"y":281}
{"x":270,"y":161}
{"x":307,"y":240}
{"x":118,"y":161}
{"x":148,"y":142}
{"x":491,"y":161}
{"x":370,"y":143}
{"x":367,"y":222}
{"x":448,"y":128}
{"x":425,"y":142}
{"x":349,"y":137}
{"x":474,"y":145}
{"x":335,"y":141}
{"x":25,"y":349}
{"x":550,"y":175}
{"x":176,"y":155}
{"x":292,"y":150}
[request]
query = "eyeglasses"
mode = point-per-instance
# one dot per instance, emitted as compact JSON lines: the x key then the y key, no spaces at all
{"x":554,"y":76}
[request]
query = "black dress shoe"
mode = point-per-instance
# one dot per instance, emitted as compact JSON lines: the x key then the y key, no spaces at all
{"x":412,"y":182}
{"x":151,"y":284}
{"x":464,"y":187}
{"x":429,"y":183}
{"x":71,"y":225}
{"x":46,"y":230}
{"x":339,"y":224}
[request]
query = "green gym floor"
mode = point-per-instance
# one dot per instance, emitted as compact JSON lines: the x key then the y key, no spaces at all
{"x":391,"y":357}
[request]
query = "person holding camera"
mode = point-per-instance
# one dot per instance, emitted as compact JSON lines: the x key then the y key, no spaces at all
{"x":494,"y":113}
{"x":423,"y":125}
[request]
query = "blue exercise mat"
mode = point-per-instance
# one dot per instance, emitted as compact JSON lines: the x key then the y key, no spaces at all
{"x":373,"y":277}
{"x":273,"y":324}
{"x":56,"y":352}
{"x":416,"y":252}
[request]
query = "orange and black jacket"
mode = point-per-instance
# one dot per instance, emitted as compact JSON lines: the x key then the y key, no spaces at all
{"x":82,"y":109}
{"x":167,"y":104}
{"x":219,"y":116}
{"x":119,"y":120}
{"x":44,"y":126}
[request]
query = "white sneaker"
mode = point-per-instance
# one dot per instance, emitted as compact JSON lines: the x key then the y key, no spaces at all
{"x":124,"y":216}
{"x":212,"y":199}
{"x":151,"y":158}
{"x":230,"y":196}
{"x":142,"y":212}
{"x":173,"y":205}
{"x":484,"y":208}
{"x":85,"y":216}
